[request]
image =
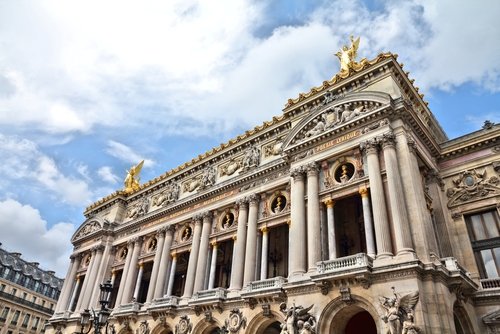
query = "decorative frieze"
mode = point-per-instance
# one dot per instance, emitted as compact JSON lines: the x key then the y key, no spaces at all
{"x":471,"y":185}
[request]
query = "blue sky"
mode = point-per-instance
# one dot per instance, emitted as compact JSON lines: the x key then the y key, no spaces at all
{"x":88,"y":88}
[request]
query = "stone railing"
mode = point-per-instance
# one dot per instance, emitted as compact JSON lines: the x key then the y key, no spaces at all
{"x":491,"y":283}
{"x":360,"y":260}
{"x":270,"y":283}
{"x":166,"y":301}
{"x":217,"y":293}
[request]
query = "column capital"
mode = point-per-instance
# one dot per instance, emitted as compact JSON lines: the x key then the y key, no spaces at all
{"x":253,"y":199}
{"x":297,"y":173}
{"x":197,"y":218}
{"x":161,"y":231}
{"x":312,"y":168}
{"x":214,"y":244}
{"x":174,"y":256}
{"x":412,"y":145}
{"x":264,"y":229}
{"x":234,"y":237}
{"x":330,"y":203}
{"x":206,"y":215}
{"x":97,"y":248}
{"x":363,"y":192}
{"x":388,"y":139}
{"x":242,"y":202}
{"x":369,"y":146}
{"x":135,"y":241}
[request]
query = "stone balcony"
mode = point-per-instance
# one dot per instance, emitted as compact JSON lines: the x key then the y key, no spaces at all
{"x":264,"y":291}
{"x":356,"y":268}
{"x":490,"y":283}
{"x":162,"y":307}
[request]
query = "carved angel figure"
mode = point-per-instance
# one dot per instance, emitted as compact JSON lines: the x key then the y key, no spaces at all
{"x":347,"y":55}
{"x":397,"y":310}
{"x":132,"y":179}
{"x":251,"y":158}
{"x":296,"y":318}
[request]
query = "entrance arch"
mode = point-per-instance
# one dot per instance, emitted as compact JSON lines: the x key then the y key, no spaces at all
{"x":339,"y":318}
{"x":273,"y":328}
{"x":361,"y":322}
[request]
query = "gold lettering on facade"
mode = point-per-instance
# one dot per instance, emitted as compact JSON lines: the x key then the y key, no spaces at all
{"x":337,"y":141}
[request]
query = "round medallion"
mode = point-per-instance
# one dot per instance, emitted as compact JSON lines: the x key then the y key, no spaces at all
{"x":227,"y":219}
{"x":278,"y":203}
{"x":344,"y":172}
{"x":469,"y":181}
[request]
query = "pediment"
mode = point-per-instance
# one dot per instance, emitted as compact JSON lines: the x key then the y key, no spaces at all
{"x":87,"y":228}
{"x":328,"y":116}
{"x":492,"y":318}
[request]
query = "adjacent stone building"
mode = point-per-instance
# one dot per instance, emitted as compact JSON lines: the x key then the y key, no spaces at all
{"x":349,"y":212}
{"x":28,"y":295}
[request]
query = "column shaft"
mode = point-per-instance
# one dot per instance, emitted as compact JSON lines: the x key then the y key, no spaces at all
{"x":367,"y":220}
{"x":132,"y":273}
{"x":69,"y":282}
{"x":157,"y":262}
{"x":138,"y":283}
{"x":332,"y":245}
{"x":313,"y":226}
{"x":297,"y":240}
{"x":239,"y":248}
{"x":99,"y":274}
{"x":202,"y":254}
{"x":251,"y":242}
{"x":382,"y":231}
{"x":398,"y":206}
{"x":213,"y":265}
{"x":193,"y":259}
{"x":74,"y":294}
{"x":264,"y":254}
{"x":121,"y":288}
{"x":171,"y":278}
{"x":165,"y":261}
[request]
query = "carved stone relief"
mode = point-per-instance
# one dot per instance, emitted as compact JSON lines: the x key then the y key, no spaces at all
{"x":278,"y":202}
{"x":139,"y":208}
{"x":236,"y":321}
{"x":342,"y":171}
{"x":471,"y":185}
{"x":298,"y":320}
{"x":273,"y":148}
{"x":333,"y":117}
{"x":184,"y":326}
{"x":227,"y":219}
{"x":169,"y":195}
{"x":399,"y":313}
{"x":251,"y":159}
{"x":88,"y":228}
{"x":230,"y":167}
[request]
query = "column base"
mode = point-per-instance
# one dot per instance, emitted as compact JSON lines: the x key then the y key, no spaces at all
{"x":406,"y":254}
{"x":299,"y":276}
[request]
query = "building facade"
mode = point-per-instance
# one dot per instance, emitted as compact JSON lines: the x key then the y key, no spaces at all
{"x":350,"y":212}
{"x":28,"y":295}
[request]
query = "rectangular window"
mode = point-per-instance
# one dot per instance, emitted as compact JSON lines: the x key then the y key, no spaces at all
{"x":484,"y":232}
{"x":36,"y":321}
{"x":15,"y":318}
{"x":25,"y":295}
{"x":33,"y":300}
{"x":5,"y":313}
{"x":26,"y":320}
{"x":14,"y":292}
{"x":2,"y":287}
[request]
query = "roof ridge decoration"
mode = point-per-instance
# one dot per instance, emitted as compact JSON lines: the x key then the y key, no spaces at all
{"x":348,"y":67}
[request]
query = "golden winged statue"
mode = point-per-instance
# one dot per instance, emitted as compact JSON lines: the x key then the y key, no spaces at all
{"x":347,"y":55}
{"x":132,"y":179}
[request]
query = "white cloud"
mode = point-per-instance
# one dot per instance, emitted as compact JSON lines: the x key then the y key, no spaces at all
{"x":23,"y":161}
{"x":25,"y":231}
{"x":107,"y":175}
{"x":126,"y":154}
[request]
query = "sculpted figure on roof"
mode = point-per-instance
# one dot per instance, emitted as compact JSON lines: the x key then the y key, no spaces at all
{"x":347,"y":55}
{"x":132,"y":179}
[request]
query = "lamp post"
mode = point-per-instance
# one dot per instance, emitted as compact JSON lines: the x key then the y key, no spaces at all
{"x":100,"y":319}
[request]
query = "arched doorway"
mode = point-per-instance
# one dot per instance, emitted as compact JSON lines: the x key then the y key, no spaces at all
{"x":361,"y":322}
{"x":352,"y":319}
{"x":273,"y":328}
{"x":461,"y":320}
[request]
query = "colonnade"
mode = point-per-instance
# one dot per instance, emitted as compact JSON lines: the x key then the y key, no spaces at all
{"x":304,"y":235}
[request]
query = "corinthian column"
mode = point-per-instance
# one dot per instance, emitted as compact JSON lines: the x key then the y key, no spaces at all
{"x":330,"y":217}
{"x":132,"y":272}
{"x":171,"y":277}
{"x":251,"y":246}
{"x":89,"y":282}
{"x":138,"y":282}
{"x":121,"y":288}
{"x":313,"y":223}
{"x":165,"y":261}
{"x":193,"y":258}
{"x":396,"y":195}
{"x":367,"y":220}
{"x":157,"y":261}
{"x":297,"y":242}
{"x":382,"y":231}
{"x":239,"y":247}
{"x":74,"y":294}
{"x":264,"y":254}
{"x":213,"y":265}
{"x":69,"y":282}
{"x":201,"y":267}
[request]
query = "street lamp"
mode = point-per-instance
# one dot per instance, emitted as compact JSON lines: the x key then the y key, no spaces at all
{"x":100,"y":319}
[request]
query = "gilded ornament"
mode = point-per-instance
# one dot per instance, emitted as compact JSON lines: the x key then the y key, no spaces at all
{"x":132,"y":179}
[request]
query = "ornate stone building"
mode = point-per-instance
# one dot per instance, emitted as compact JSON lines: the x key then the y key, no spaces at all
{"x":350,"y":212}
{"x":28,"y":295}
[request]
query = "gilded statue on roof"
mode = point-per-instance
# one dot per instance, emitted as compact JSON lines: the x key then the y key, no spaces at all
{"x":347,"y":55}
{"x":132,"y":179}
